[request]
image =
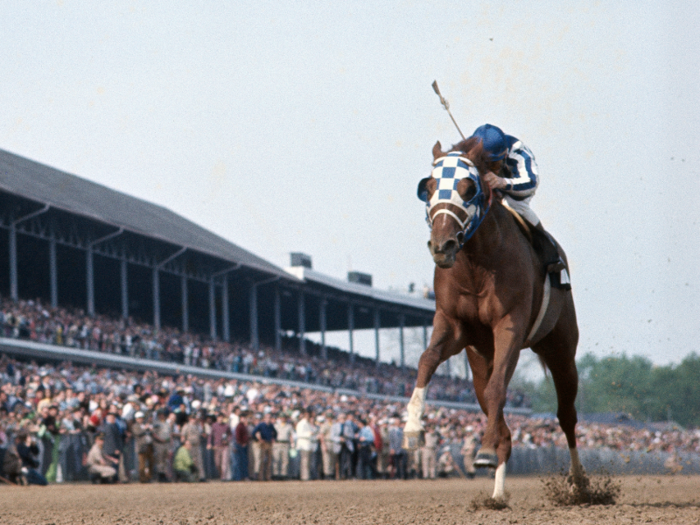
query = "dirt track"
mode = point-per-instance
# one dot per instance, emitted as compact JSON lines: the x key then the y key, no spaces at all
{"x":643,"y":500}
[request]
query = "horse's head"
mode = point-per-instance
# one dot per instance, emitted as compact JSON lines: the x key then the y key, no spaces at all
{"x":456,"y":200}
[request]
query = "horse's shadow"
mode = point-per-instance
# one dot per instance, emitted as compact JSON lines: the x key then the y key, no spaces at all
{"x":665,"y":505}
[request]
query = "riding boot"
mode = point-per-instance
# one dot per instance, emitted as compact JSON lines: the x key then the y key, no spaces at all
{"x":553,"y":260}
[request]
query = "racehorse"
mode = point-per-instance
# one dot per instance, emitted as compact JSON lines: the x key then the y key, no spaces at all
{"x":493,"y":298}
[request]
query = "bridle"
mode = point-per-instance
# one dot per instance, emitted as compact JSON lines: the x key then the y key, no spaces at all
{"x":448,"y":171}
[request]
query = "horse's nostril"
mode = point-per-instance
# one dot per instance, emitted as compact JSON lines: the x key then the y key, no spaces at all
{"x":449,"y":246}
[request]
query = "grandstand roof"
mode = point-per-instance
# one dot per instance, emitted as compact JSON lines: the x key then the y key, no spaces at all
{"x":58,"y":189}
{"x":364,"y":291}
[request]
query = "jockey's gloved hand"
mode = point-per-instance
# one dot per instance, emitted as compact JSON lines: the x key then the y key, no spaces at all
{"x":494,"y":181}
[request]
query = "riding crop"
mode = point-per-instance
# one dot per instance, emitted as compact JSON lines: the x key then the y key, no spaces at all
{"x":446,"y":105}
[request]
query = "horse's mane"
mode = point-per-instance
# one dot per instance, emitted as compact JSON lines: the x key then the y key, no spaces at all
{"x":473,"y":148}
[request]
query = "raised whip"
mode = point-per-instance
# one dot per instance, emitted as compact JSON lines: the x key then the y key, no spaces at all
{"x":446,"y":105}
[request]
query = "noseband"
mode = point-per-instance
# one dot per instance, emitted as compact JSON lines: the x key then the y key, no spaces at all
{"x":448,"y":171}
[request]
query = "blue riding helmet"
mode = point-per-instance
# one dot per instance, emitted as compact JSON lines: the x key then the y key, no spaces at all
{"x":494,"y":141}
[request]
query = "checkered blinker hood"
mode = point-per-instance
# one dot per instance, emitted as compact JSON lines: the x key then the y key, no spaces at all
{"x":448,"y":171}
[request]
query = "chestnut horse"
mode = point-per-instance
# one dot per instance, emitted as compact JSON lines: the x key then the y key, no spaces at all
{"x":493,"y":298}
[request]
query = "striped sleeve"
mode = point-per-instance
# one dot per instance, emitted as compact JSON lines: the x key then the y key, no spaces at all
{"x":523,"y":170}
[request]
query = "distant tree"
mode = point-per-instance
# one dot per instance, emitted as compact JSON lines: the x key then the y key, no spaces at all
{"x":628,"y":384}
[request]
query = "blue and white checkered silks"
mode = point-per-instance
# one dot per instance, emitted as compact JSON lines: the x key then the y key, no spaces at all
{"x":448,"y":171}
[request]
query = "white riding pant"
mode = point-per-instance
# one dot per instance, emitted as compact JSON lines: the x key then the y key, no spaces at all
{"x":523,"y":208}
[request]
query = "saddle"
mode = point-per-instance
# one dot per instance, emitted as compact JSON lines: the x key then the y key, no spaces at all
{"x":546,"y":248}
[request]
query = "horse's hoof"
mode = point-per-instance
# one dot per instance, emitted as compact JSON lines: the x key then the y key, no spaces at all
{"x":413,"y":440}
{"x":486,"y":460}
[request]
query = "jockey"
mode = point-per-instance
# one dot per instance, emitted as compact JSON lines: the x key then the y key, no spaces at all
{"x":514,"y":173}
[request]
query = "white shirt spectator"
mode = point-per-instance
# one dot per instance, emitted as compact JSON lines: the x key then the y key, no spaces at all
{"x":304,"y":431}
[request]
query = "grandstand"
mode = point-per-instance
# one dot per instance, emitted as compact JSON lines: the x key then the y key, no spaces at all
{"x":69,"y":241}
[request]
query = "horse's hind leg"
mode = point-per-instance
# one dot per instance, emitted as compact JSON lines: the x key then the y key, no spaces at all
{"x":558,"y":350}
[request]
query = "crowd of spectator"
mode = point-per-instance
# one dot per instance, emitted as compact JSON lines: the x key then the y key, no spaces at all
{"x":63,"y":423}
{"x":32,"y":320}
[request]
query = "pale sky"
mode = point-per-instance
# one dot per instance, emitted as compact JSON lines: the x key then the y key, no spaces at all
{"x":306,"y":126}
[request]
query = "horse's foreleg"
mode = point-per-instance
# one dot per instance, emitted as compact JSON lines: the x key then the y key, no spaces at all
{"x":443,"y":344}
{"x":415,"y":408}
{"x":496,"y":448}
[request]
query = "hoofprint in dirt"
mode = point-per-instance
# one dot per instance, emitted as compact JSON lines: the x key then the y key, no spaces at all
{"x":662,"y":499}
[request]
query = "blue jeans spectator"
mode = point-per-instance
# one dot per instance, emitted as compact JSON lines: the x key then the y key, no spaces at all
{"x":34,"y":477}
{"x":240,"y":469}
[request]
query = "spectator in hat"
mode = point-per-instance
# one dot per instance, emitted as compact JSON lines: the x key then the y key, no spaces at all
{"x":326,"y":445}
{"x":428,"y":452}
{"x":469,"y":446}
{"x":99,"y":463}
{"x":254,"y":447}
{"x":338,"y":443}
{"x":143,"y":443}
{"x":162,"y":435}
{"x":241,"y":441}
{"x":218,"y":441}
{"x":266,"y":435}
{"x":280,"y":449}
{"x":365,"y":453}
{"x":348,"y":454}
{"x":193,"y":431}
{"x":399,"y":458}
{"x":305,"y":434}
{"x":113,"y":437}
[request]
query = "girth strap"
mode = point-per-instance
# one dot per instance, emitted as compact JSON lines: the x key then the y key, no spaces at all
{"x":543,"y":308}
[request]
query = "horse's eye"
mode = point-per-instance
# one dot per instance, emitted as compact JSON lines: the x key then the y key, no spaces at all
{"x":466,"y":189}
{"x":431,"y":187}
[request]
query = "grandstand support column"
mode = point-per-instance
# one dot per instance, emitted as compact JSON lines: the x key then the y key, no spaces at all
{"x":225,"y":320}
{"x":402,"y":322}
{"x":14,"y":285}
{"x":156,"y":284}
{"x":322,"y":325}
{"x":90,"y":271}
{"x":351,"y":327}
{"x":156,"y":298}
{"x":90,"y":280}
{"x":212,"y":309}
{"x":53,"y":272}
{"x":225,"y":323}
{"x":302,"y":322}
{"x":185,"y":304}
{"x":278,"y":320}
{"x":14,"y":294}
{"x":125,"y":288}
{"x":253,"y":308}
{"x":376,"y":335}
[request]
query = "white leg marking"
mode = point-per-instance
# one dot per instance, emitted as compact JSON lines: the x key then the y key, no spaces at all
{"x":576,"y":471}
{"x":499,"y":488}
{"x":415,"y":411}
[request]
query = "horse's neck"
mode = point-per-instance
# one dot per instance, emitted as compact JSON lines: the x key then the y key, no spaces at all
{"x":487,"y":243}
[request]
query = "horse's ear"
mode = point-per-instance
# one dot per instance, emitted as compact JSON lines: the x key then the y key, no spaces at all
{"x":437,"y":151}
